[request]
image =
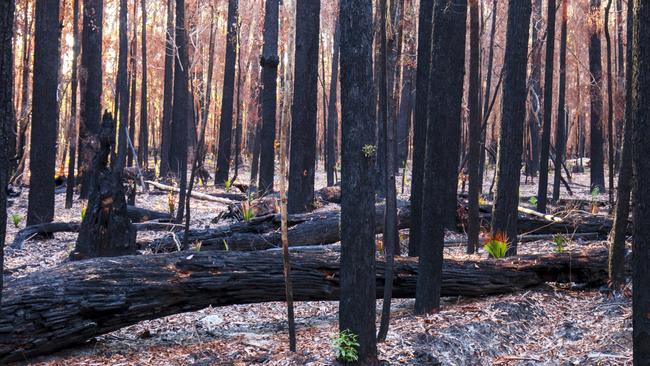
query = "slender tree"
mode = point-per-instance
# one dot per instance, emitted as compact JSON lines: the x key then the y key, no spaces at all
{"x":641,"y":151}
{"x":425,"y":24}
{"x":302,"y":156}
{"x":143,"y":142}
{"x":133,"y":73}
{"x":596,"y":97}
{"x":535,"y":115}
{"x":357,"y":304}
{"x":168,"y":82}
{"x":227,"y":98}
{"x":122,"y":87}
{"x":332,"y":111}
{"x":610,"y":105}
{"x":621,"y":220}
{"x":542,"y":190}
{"x":488,"y":88}
{"x":73,"y":106}
{"x":7,"y":115}
{"x":504,"y":213}
{"x":269,"y":62}
{"x":23,"y":116}
{"x":473,"y":221}
{"x":181,"y":106}
{"x":444,"y":114}
{"x":45,"y":116}
{"x":90,"y":84}
{"x":560,"y":129}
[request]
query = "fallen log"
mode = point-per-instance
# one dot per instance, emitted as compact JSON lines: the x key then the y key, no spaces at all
{"x":322,"y":227}
{"x":139,"y":214}
{"x":197,"y":195}
{"x":49,"y":310}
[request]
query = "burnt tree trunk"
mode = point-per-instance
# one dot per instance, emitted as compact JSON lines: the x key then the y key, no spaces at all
{"x":474,"y":190}
{"x":106,"y":229}
{"x":625,"y":176}
{"x":45,"y":113}
{"x":122,"y":87}
{"x":69,"y":193}
{"x":133,"y":72}
{"x":302,"y":156}
{"x":165,"y":128}
{"x":641,"y":151}
{"x":560,"y":129}
{"x":331,"y":155}
{"x":90,"y":85}
{"x":269,"y":62}
{"x":425,"y":25}
{"x":488,"y":88}
{"x":143,"y":142}
{"x":535,"y":114}
{"x":227,"y":99}
{"x":357,"y":307}
{"x":596,"y":97}
{"x":504,"y":213}
{"x":542,"y":190}
{"x":610,"y":105}
{"x":444,"y":117}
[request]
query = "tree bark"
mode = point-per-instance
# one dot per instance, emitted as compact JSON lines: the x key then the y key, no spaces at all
{"x":357,"y":307}
{"x":143,"y":142}
{"x":304,"y":110}
{"x":440,"y":167}
{"x":610,"y":105}
{"x":425,"y":25}
{"x":227,"y":99}
{"x":45,"y":116}
{"x":625,"y":177}
{"x":535,"y":114}
{"x":165,"y":128}
{"x":641,"y":151}
{"x":122,"y":88}
{"x":474,"y":190}
{"x":81,"y":300}
{"x":542,"y":191}
{"x":331,"y":155}
{"x":90,"y":84}
{"x":596,"y":97}
{"x":504,"y":214}
{"x":488,"y":88}
{"x":73,"y":129}
{"x":560,"y":128}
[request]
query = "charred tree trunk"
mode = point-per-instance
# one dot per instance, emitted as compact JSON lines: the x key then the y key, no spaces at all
{"x":425,"y":25}
{"x":535,"y":114}
{"x":143,"y":142}
{"x":133,"y":72}
{"x":227,"y":99}
{"x":332,"y":111}
{"x":122,"y":87}
{"x":542,"y":190}
{"x":504,"y":214}
{"x":625,"y":176}
{"x":165,"y":128}
{"x":596,"y":97}
{"x":73,"y":107}
{"x":474,"y":190}
{"x":444,"y":117}
{"x":23,"y":117}
{"x":304,"y":110}
{"x":641,"y":151}
{"x":358,"y":293}
{"x":488,"y":88}
{"x":7,"y":116}
{"x":90,"y":84}
{"x":269,"y":62}
{"x":106,"y":230}
{"x":610,"y":105}
{"x":45,"y":115}
{"x":560,"y":129}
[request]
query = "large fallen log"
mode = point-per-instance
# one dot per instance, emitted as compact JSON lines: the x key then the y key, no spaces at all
{"x":322,"y":227}
{"x":48,"y":310}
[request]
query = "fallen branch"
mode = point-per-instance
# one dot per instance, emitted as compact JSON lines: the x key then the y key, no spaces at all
{"x":197,"y":195}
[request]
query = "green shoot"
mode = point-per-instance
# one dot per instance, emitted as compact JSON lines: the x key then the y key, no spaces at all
{"x":346,"y":346}
{"x":559,"y":241}
{"x":228,"y":183}
{"x":369,"y":150}
{"x":497,"y":246}
{"x":247,"y":208}
{"x":533,"y":200}
{"x":16,"y":220}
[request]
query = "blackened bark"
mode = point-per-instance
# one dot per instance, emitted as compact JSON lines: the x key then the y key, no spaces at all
{"x":45,"y":113}
{"x":227,"y":98}
{"x":504,"y":213}
{"x":425,"y":24}
{"x":560,"y":132}
{"x":165,"y":128}
{"x":181,"y":106}
{"x":302,"y":156}
{"x":73,"y":107}
{"x":488,"y":87}
{"x":641,"y":151}
{"x":474,"y":190}
{"x":610,"y":105}
{"x":132,"y":79}
{"x":596,"y":97}
{"x":269,"y":62}
{"x":122,"y":87}
{"x":106,"y":229}
{"x":625,"y":176}
{"x":444,"y":117}
{"x":90,"y":84}
{"x":143,"y":142}
{"x":357,"y":304}
{"x":23,"y":117}
{"x":542,"y":189}
{"x":405,"y":113}
{"x":535,"y":115}
{"x":332,"y":112}
{"x":7,"y":116}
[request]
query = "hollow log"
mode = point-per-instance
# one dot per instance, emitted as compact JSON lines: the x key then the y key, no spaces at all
{"x":48,"y":310}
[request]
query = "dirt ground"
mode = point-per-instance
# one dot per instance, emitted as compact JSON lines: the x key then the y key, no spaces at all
{"x":551,"y":325}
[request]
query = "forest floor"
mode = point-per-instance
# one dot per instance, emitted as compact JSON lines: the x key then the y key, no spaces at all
{"x":550,"y":325}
